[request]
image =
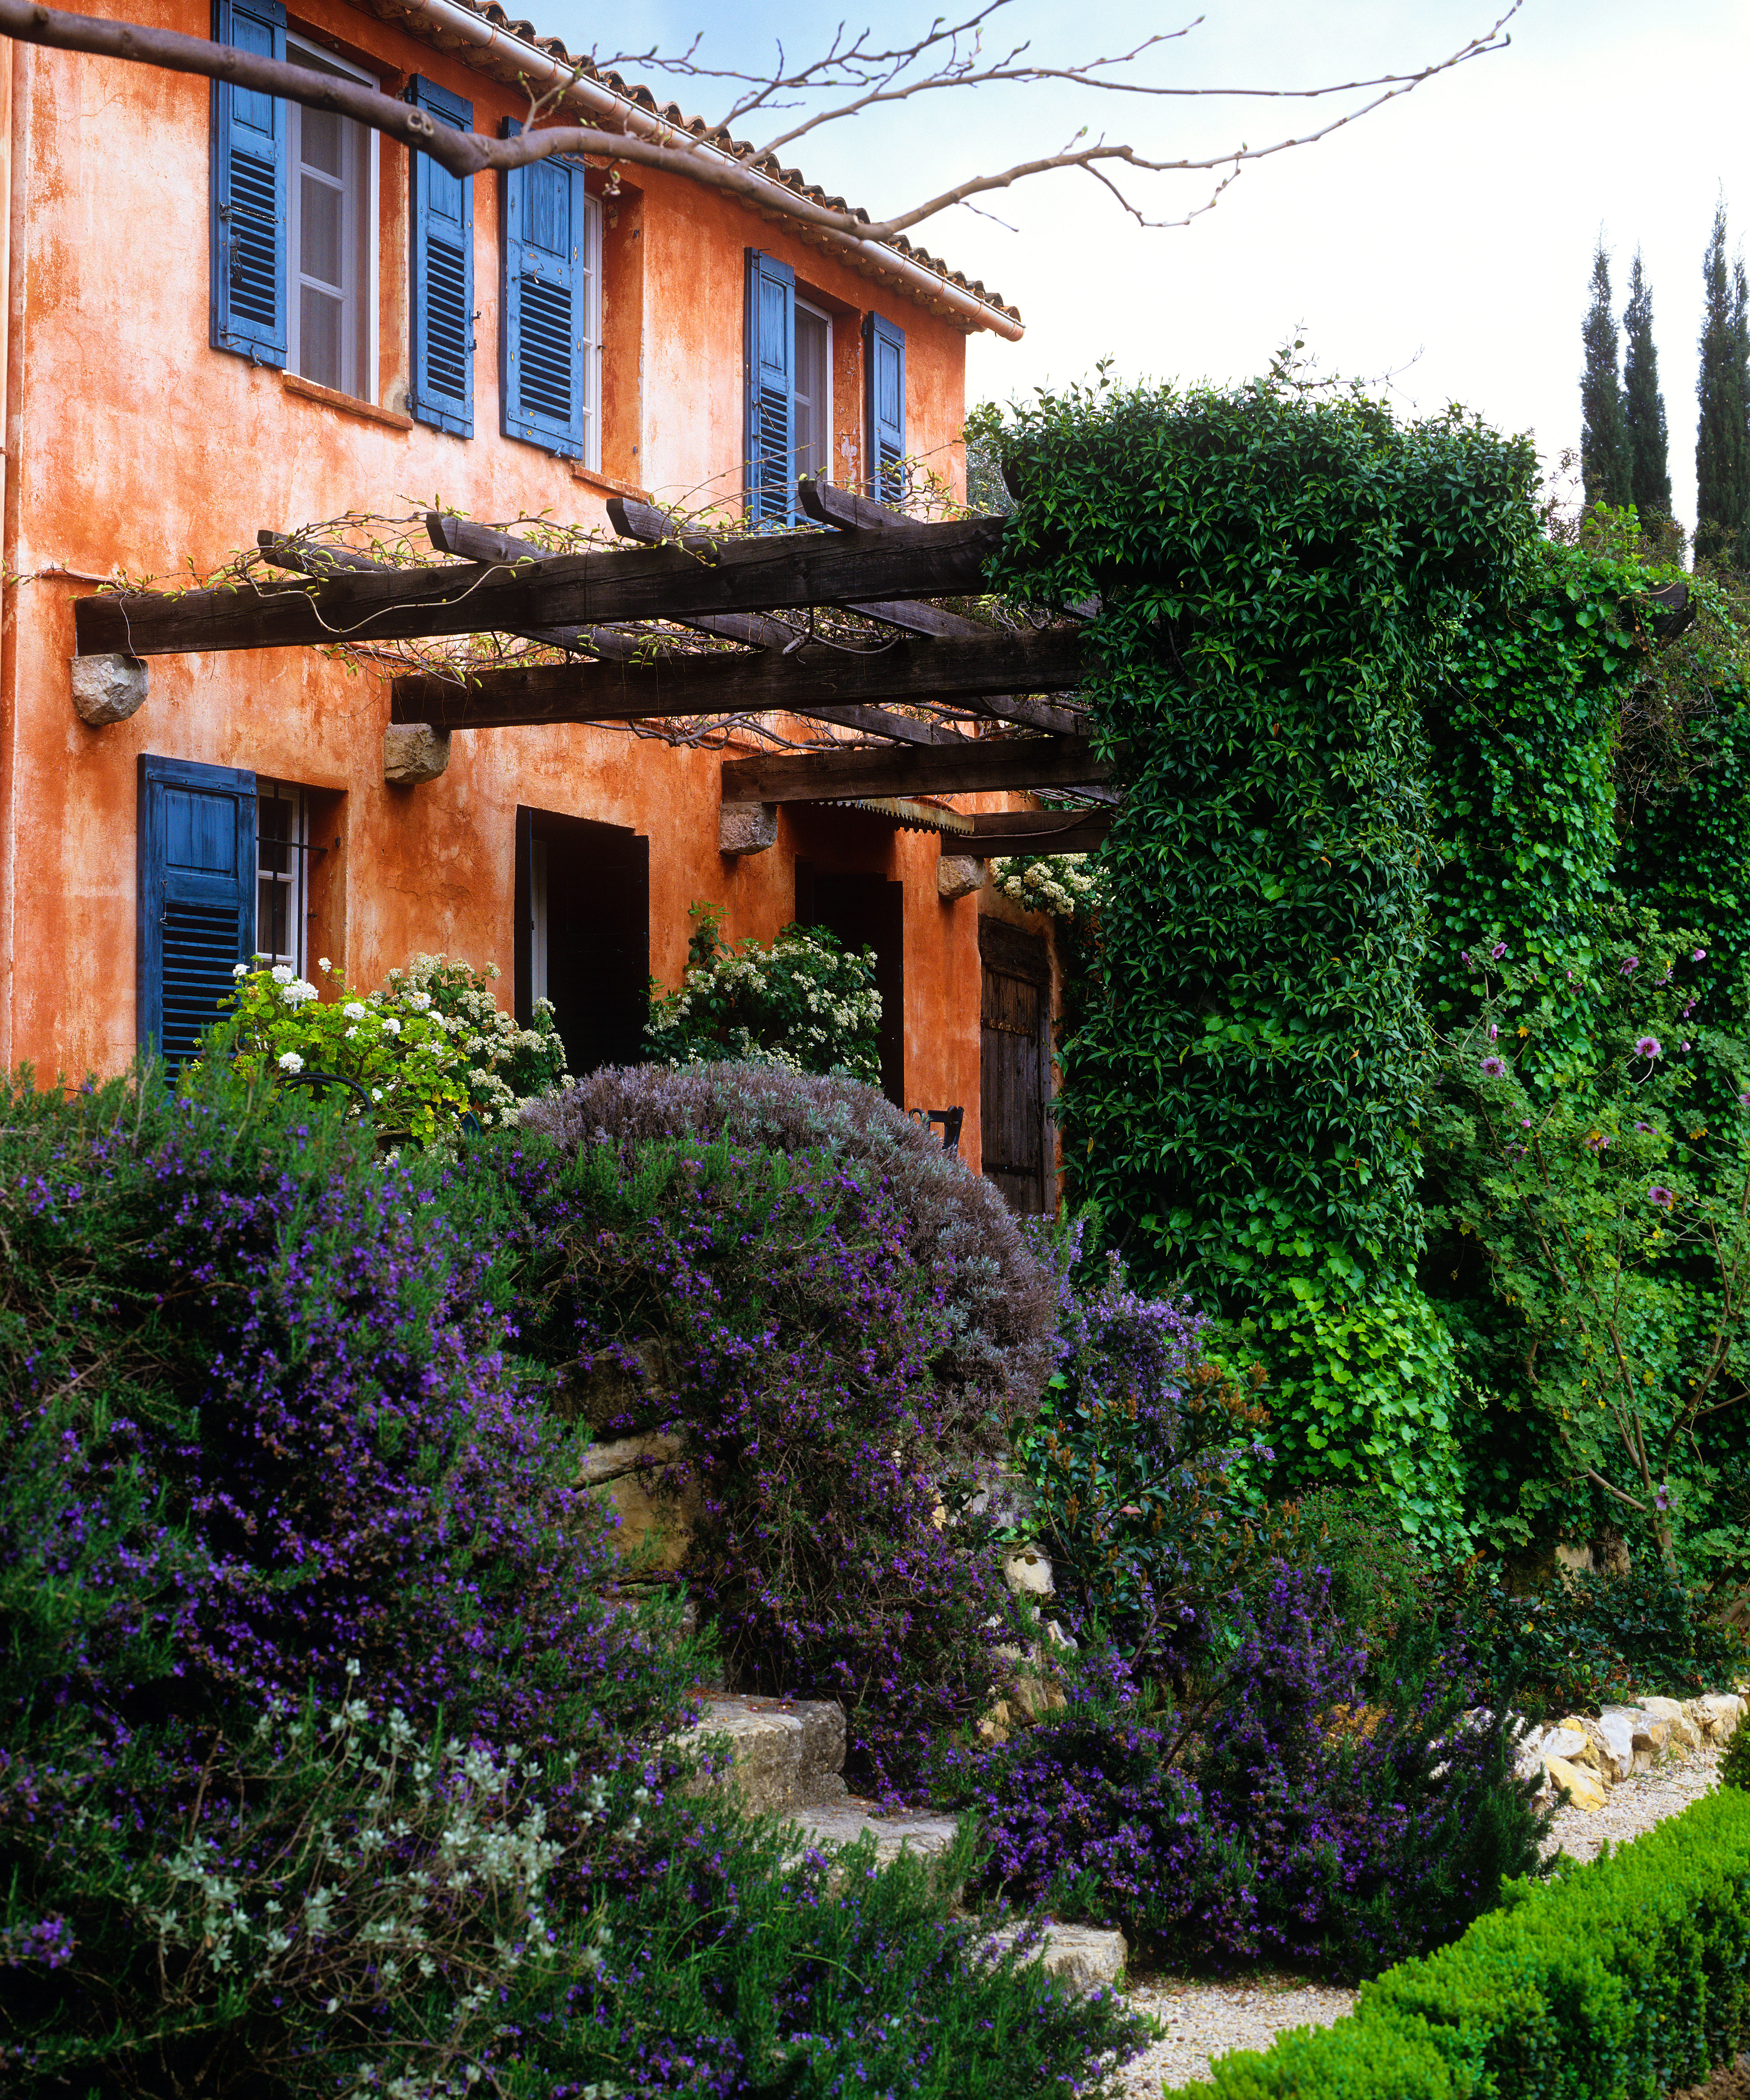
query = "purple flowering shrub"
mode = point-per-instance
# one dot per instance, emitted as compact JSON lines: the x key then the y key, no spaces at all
{"x":1131,"y":1466}
{"x":835,"y":1325}
{"x":1275,"y":1817}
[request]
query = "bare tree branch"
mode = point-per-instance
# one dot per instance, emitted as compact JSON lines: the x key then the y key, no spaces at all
{"x":879,"y":76}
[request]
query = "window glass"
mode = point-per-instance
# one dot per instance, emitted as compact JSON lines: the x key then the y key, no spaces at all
{"x":813,"y":394}
{"x":330,"y":253}
{"x":282,"y":853}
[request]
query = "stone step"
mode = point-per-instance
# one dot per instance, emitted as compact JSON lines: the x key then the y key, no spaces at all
{"x":1087,"y":1958}
{"x":785,"y":1753}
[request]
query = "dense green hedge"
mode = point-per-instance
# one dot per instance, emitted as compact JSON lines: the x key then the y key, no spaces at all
{"x":1619,"y":1980}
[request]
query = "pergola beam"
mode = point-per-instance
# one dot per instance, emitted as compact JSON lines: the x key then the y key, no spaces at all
{"x":981,"y":765}
{"x":805,"y":681}
{"x":999,"y":832}
{"x":564,"y":590}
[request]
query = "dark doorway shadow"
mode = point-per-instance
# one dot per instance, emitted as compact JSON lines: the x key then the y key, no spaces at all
{"x":866,"y":911}
{"x":582,"y":911}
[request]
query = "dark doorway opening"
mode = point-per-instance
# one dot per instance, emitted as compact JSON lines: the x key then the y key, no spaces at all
{"x":1015,"y":1065}
{"x":866,"y":911}
{"x":582,"y":911}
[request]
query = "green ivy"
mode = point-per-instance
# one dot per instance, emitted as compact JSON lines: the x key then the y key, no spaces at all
{"x":1279,"y":578}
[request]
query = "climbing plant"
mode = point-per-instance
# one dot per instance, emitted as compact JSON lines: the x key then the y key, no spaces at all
{"x":1279,"y":576}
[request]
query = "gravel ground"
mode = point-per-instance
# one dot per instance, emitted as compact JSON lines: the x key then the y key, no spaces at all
{"x":1206,"y":2019}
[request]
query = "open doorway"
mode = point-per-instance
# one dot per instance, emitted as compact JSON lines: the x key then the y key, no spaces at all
{"x":866,"y":911}
{"x":583,"y":918}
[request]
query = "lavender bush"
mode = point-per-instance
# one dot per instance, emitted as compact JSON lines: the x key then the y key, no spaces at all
{"x":1275,"y":1817}
{"x":843,"y":1324}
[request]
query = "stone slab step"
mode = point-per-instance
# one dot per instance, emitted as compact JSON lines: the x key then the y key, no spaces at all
{"x":785,"y":1753}
{"x":1088,"y":1957}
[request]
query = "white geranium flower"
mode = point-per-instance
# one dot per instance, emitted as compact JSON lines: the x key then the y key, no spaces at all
{"x":377,"y":1093}
{"x":290,"y":1061}
{"x":299,"y":992}
{"x":350,"y":1034}
{"x":391,"y":1026}
{"x":281,"y":973}
{"x":239,"y":969}
{"x":419,"y":1000}
{"x":324,"y":964}
{"x":353,"y":1011}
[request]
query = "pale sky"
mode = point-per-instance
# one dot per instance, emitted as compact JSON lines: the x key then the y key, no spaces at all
{"x":1447,"y":239}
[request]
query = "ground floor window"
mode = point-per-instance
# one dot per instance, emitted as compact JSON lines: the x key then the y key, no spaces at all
{"x":282,"y":880}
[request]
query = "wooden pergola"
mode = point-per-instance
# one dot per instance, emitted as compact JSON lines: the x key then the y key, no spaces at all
{"x":681,"y":624}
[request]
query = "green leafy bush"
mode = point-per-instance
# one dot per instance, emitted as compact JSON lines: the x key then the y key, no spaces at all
{"x":1587,"y":1639}
{"x":429,"y":1049}
{"x":801,"y":1001}
{"x":1624,"y":1977}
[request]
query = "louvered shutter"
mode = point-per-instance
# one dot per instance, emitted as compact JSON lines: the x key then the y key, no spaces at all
{"x":886,"y":361}
{"x":442,"y":274}
{"x":196,"y":897}
{"x":541,"y":370}
{"x":249,"y":192}
{"x":771,"y":339}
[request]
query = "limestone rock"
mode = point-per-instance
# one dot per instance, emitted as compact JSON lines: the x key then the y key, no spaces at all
{"x":1086,"y":1958}
{"x":1615,"y":1724}
{"x":108,"y":689}
{"x":608,"y":1461}
{"x":655,"y":1529}
{"x":1029,"y":1571}
{"x":1035,"y":1697}
{"x":1585,"y":1787}
{"x":1720,"y":1713}
{"x":1566,"y":1740}
{"x":747,"y":827}
{"x":414,"y":752}
{"x":958,"y":876}
{"x":908,"y":1830}
{"x":784,"y":1754}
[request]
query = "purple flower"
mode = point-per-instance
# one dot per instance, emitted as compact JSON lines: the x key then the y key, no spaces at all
{"x":1499,"y":950}
{"x":1643,"y":1125}
{"x":1494,"y":1068}
{"x":1493,"y":1031}
{"x":1662,"y":1498}
{"x":1698,"y":955}
{"x":1630,"y":964}
{"x":1648,"y":1047}
{"x":1660,"y":1196}
{"x":1682,"y":1047}
{"x":1464,"y":956}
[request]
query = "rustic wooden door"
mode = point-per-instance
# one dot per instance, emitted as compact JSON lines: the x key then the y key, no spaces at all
{"x":1015,"y":1063}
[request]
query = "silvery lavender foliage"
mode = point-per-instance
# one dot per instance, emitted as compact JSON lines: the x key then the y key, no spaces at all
{"x":1276,"y":1819}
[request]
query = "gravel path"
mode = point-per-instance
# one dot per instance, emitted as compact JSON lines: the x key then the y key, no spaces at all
{"x":1207,"y":2019}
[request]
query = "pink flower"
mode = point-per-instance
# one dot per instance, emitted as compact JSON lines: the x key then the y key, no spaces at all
{"x":1499,"y":950}
{"x":1493,"y":1031}
{"x":1660,"y":1196}
{"x":1494,"y":1069}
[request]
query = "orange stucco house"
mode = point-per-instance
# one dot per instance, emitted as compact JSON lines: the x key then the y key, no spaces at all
{"x":225,"y":315}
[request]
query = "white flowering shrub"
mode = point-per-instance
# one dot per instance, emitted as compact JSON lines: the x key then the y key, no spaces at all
{"x":429,"y":1048}
{"x":802,"y":1002}
{"x":1061,"y":885}
{"x":365,"y":1898}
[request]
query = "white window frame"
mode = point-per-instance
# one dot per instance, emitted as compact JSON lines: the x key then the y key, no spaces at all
{"x":293,"y":879}
{"x":326,"y":62}
{"x":537,"y":921}
{"x":823,"y":468}
{"x":592,"y":334}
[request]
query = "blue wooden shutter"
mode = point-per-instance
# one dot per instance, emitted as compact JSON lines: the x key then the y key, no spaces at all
{"x":541,"y":369}
{"x":771,"y":435}
{"x":441,"y":394}
{"x":196,"y":897}
{"x":248,"y":192}
{"x":886,"y":364}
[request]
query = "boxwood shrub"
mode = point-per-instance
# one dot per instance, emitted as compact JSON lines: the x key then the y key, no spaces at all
{"x":1624,"y":1979}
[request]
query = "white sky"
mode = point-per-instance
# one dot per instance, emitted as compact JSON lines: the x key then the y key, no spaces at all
{"x":1451,"y":234}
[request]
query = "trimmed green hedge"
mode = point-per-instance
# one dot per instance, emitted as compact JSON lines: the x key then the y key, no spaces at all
{"x":1619,"y":1980}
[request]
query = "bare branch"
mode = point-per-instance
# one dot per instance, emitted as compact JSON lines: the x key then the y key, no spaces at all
{"x":880,"y":78}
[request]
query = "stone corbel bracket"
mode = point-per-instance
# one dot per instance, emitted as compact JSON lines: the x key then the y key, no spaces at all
{"x":747,"y":827}
{"x":108,"y":689}
{"x":414,"y":752}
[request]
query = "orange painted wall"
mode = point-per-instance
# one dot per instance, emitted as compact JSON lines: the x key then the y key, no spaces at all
{"x":130,"y":444}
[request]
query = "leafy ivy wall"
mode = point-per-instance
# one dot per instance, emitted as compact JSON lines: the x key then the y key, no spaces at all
{"x":1368,"y":722}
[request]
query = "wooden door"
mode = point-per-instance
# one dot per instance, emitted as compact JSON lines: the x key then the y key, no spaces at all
{"x":1015,"y":1063}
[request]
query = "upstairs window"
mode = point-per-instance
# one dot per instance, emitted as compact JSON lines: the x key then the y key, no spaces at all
{"x":294,"y":215}
{"x":813,"y":394}
{"x":331,"y":300}
{"x":884,"y":362}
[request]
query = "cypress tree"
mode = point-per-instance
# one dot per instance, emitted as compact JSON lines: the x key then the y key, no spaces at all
{"x":1722,"y":431}
{"x":1643,"y":404}
{"x":1603,"y":433}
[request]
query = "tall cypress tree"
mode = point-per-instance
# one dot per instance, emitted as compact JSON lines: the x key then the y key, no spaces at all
{"x":1643,"y":404}
{"x":1604,"y":434}
{"x":1722,"y":431}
